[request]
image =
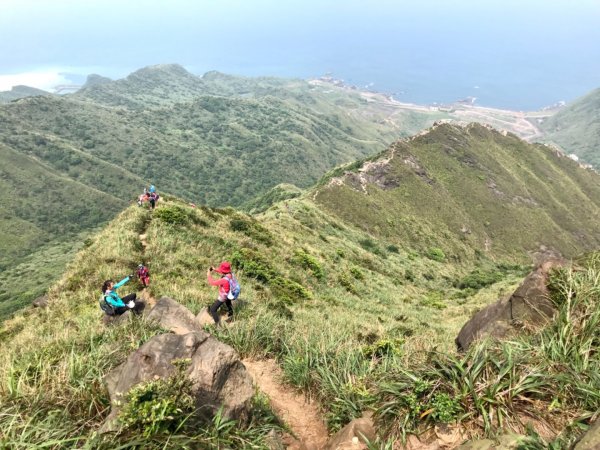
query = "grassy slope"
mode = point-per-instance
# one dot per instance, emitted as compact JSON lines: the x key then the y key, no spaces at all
{"x":41,"y":203}
{"x":94,"y":158}
{"x":576,"y":128}
{"x":216,"y":139}
{"x":469,"y":190}
{"x":300,"y":268}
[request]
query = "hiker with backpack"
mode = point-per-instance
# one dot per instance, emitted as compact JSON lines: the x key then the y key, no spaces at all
{"x":153,"y":198}
{"x":143,"y":274}
{"x":113,"y":305}
{"x":229,"y":289}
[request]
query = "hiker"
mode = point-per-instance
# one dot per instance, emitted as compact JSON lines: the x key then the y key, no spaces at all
{"x":144,"y":275}
{"x":142,"y":198}
{"x":228,"y":290}
{"x":113,"y":305}
{"x":152,"y":189}
{"x":153,"y":198}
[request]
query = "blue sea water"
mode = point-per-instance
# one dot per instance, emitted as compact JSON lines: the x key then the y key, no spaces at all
{"x":508,"y":53}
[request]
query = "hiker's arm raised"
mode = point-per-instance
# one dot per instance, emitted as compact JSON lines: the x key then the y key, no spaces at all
{"x":121,"y":283}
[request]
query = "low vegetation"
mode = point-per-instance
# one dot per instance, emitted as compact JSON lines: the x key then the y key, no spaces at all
{"x":55,"y":359}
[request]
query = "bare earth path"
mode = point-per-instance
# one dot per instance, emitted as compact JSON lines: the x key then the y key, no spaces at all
{"x":303,"y":418}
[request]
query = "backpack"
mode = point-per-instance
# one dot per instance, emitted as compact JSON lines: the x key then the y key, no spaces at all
{"x":234,"y":288}
{"x":105,"y":306}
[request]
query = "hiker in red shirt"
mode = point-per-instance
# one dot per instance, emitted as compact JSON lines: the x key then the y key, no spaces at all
{"x":143,"y":275}
{"x":225,"y":270}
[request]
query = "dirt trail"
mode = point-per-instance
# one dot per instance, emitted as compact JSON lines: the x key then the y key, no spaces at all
{"x":302,"y":417}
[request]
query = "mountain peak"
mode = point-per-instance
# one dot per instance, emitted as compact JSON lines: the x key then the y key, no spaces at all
{"x":162,"y":70}
{"x":95,"y":79}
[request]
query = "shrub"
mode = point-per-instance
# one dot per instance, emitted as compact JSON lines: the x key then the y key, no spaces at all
{"x":251,"y":229}
{"x":307,"y":261}
{"x":393,"y":248}
{"x":371,"y":246}
{"x":161,"y":405}
{"x":478,"y":279}
{"x":288,"y":291}
{"x":436,"y":254}
{"x":346,"y":282}
{"x":357,"y":273}
{"x":176,"y":215}
{"x":254,"y":265}
{"x":382,"y":348}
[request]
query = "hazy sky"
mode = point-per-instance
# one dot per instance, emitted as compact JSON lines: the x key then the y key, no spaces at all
{"x":501,"y":45}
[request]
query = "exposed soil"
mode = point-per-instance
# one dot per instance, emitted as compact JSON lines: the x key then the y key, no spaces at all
{"x":302,"y":417}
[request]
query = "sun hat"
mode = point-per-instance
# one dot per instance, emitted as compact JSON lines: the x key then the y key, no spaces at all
{"x":225,"y":267}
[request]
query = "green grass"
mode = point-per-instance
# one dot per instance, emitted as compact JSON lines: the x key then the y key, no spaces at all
{"x":575,"y":128}
{"x":290,"y":290}
{"x":455,"y":193}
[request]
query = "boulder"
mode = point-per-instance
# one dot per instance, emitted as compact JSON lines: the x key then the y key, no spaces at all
{"x":530,"y":303}
{"x":591,"y":439}
{"x":174,"y":317}
{"x":204,"y":318}
{"x":115,"y":320}
{"x":353,"y":436}
{"x":216,"y":373}
{"x":40,"y":302}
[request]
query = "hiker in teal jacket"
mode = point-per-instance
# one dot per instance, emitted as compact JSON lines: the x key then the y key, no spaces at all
{"x":118,"y":304}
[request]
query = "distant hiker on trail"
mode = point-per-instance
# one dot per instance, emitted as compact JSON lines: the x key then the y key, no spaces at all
{"x":142,"y":198}
{"x":153,"y":198}
{"x":113,"y":305}
{"x":152,"y":189}
{"x":229,"y":289}
{"x":143,"y":274}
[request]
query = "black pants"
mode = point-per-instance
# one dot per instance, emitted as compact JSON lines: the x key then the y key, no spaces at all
{"x":152,"y":203}
{"x":137,"y":309}
{"x":215,"y":308}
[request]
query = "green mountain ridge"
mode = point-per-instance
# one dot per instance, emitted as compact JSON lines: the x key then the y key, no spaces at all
{"x":347,"y":318}
{"x":470,"y":190}
{"x":576,"y":128}
{"x":208,"y":149}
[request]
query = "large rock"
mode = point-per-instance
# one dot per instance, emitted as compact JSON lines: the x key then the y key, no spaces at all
{"x":353,"y":436}
{"x":217,"y":375}
{"x":529,"y":303}
{"x":174,"y":317}
{"x":591,"y":439}
{"x":40,"y":302}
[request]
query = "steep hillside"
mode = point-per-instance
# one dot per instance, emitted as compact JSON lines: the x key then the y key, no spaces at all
{"x":347,"y":318}
{"x":208,"y":149}
{"x":469,"y":190}
{"x":576,"y":128}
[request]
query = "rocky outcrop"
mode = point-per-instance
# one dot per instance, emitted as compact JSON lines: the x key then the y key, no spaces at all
{"x":591,"y":439}
{"x":530,"y":303}
{"x":174,"y":317}
{"x":216,"y":373}
{"x":353,"y":436}
{"x":115,"y":320}
{"x":40,"y":302}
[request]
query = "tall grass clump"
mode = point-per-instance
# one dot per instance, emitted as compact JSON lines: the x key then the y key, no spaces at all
{"x":513,"y":383}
